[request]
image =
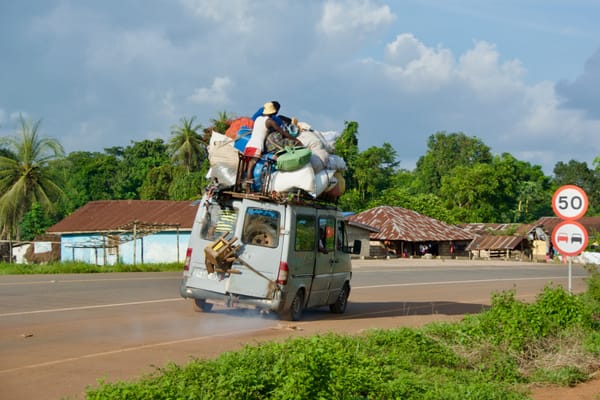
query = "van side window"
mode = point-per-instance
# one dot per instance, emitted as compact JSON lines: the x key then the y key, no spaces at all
{"x":341,"y":240}
{"x":327,"y":233}
{"x":218,"y":222}
{"x":261,"y":227}
{"x":305,"y":233}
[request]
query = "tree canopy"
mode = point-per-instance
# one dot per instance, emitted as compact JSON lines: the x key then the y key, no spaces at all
{"x":25,"y":176}
{"x":457,"y":180}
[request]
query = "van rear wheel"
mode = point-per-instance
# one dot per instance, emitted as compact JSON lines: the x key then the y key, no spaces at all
{"x":339,"y":307}
{"x":201,"y":305}
{"x":294,"y":313}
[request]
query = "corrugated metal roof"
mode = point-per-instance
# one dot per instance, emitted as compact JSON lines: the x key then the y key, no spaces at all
{"x":396,"y":223}
{"x":106,"y":215}
{"x":592,"y":224}
{"x":496,"y":242}
{"x":482,"y":228}
{"x":361,"y":226}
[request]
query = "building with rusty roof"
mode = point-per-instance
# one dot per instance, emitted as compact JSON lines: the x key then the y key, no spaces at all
{"x":541,"y":233}
{"x":408,"y":233}
{"x":126,"y":231}
{"x":496,"y":240}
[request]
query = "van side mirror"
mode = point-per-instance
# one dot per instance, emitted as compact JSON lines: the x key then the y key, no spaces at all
{"x":356,"y":247}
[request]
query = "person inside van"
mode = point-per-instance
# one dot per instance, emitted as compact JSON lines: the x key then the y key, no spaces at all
{"x":322,"y":241}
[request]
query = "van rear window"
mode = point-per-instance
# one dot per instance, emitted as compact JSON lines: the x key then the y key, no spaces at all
{"x":261,"y":227}
{"x":218,"y":222}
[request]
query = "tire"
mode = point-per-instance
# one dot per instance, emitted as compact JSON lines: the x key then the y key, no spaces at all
{"x":339,"y":307}
{"x":200,"y":305}
{"x":294,"y":313}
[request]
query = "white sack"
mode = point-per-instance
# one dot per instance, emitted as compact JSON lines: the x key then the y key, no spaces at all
{"x":303,"y":178}
{"x":319,"y":159}
{"x":225,"y":175}
{"x":336,"y":163}
{"x":329,"y":138}
{"x":221,"y":151}
{"x":324,"y":181}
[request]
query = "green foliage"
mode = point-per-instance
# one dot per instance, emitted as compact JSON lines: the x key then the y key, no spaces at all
{"x":578,"y":173}
{"x":446,"y":152}
{"x":186,"y":145}
{"x":188,"y":186}
{"x":564,"y":376}
{"x":25,"y":176}
{"x":34,"y":222}
{"x":222,"y":121}
{"x":81,"y":267}
{"x":485,"y":356}
{"x":87,"y":176}
{"x":137,"y":160}
{"x":401,"y":363}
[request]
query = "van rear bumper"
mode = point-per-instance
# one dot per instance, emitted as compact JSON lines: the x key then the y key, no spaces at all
{"x":231,"y":299}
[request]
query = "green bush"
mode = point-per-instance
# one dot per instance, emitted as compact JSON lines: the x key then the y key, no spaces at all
{"x":81,"y":267}
{"x":491,"y":355}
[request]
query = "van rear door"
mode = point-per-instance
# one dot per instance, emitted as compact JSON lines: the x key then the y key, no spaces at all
{"x":260,"y":230}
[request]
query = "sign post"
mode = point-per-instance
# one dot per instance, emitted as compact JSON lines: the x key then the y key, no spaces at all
{"x":569,"y":237}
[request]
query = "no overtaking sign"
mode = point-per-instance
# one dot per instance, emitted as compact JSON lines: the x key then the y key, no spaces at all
{"x":569,"y":203}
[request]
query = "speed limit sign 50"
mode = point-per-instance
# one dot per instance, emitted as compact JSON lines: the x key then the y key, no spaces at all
{"x":569,"y":202}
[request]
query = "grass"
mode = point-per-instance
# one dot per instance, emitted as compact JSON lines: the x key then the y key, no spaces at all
{"x":80,"y":267}
{"x":496,"y":354}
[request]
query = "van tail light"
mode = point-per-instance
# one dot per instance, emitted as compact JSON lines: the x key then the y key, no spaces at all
{"x":282,"y":275}
{"x":188,"y":258}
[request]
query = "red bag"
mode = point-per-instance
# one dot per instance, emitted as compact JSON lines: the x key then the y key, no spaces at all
{"x":236,"y":125}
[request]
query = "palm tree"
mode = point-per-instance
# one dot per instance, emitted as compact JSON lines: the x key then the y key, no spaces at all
{"x":25,"y":177}
{"x":186,"y":144}
{"x":222,"y":122}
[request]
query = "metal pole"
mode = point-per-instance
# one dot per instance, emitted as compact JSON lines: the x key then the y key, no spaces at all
{"x":570,"y":276}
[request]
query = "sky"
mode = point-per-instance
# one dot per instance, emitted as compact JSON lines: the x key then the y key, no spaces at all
{"x":523,"y":76}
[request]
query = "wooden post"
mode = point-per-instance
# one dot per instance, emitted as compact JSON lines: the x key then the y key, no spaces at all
{"x":134,"y":240}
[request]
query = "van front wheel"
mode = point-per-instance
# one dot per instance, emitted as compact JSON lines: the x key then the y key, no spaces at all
{"x":339,"y":307}
{"x":294,"y":313}
{"x":201,"y":305}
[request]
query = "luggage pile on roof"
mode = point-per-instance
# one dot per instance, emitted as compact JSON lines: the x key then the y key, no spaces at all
{"x":311,"y":169}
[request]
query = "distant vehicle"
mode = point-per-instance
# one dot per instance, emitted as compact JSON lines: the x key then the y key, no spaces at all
{"x":562,"y":237}
{"x":576,"y":237}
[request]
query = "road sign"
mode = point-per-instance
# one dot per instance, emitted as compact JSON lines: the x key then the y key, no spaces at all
{"x":569,"y":202}
{"x":570,"y":238}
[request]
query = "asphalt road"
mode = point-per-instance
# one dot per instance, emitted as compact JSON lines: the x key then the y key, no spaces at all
{"x":61,"y":333}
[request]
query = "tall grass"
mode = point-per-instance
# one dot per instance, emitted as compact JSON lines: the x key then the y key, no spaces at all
{"x":80,"y":267}
{"x":491,"y":355}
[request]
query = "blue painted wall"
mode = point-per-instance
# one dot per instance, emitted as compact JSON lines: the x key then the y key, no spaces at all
{"x":158,"y":248}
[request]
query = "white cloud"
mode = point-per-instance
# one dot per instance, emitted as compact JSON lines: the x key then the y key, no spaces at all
{"x":121,"y":49}
{"x":235,"y":14}
{"x":415,"y":66}
{"x":355,"y":17}
{"x":480,"y":68}
{"x":216,"y":94}
{"x":480,"y":94}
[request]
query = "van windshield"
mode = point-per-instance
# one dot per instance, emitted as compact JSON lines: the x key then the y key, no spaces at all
{"x":261,"y":227}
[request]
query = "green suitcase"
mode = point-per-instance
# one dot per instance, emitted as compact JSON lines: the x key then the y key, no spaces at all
{"x":292,"y":158}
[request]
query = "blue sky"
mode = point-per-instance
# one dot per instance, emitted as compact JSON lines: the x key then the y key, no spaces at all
{"x":523,"y":76}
